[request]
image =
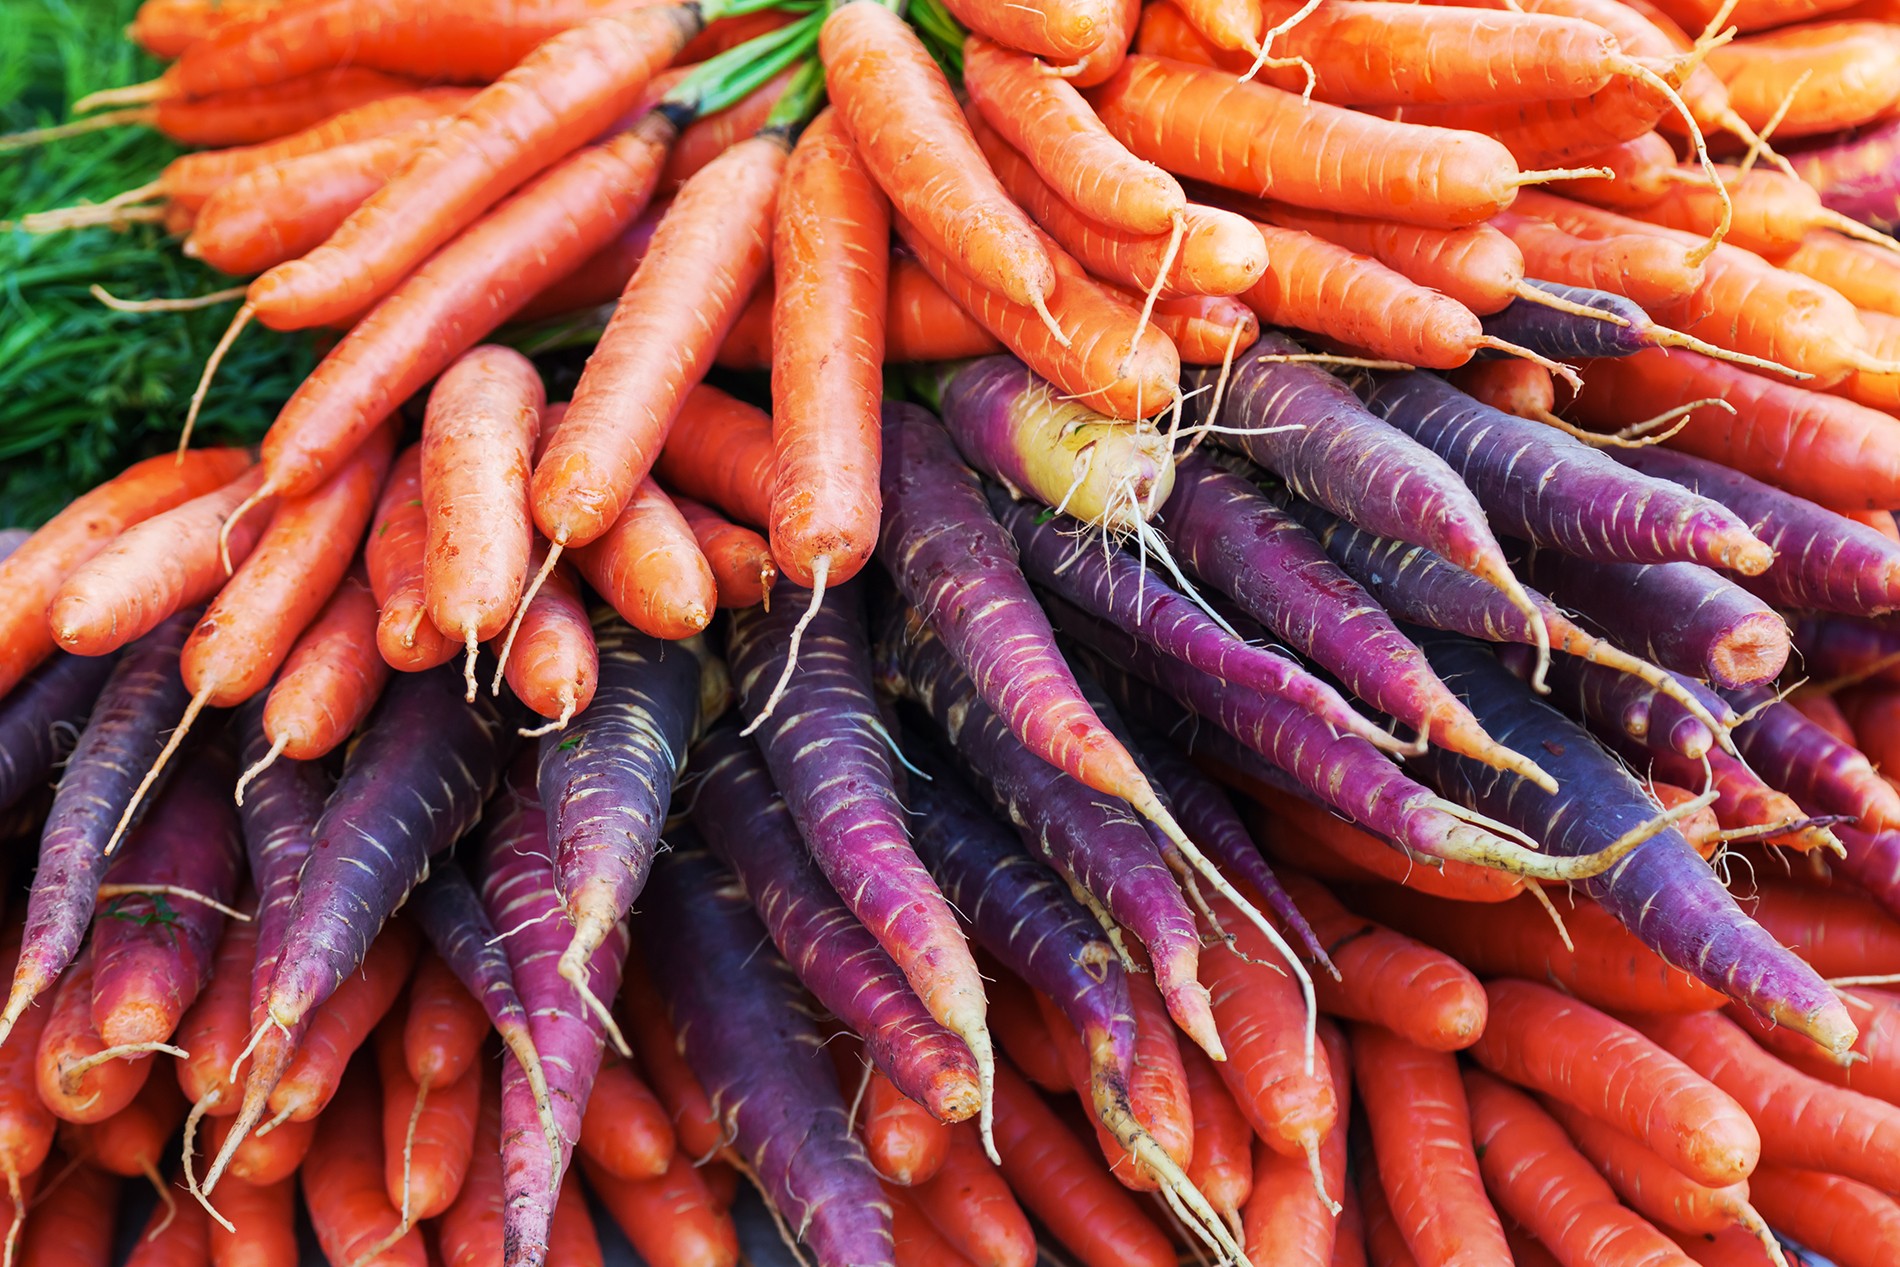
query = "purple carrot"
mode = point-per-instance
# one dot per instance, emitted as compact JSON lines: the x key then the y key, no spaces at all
{"x":1567,"y":335}
{"x":279,"y":815}
{"x":152,"y":945}
{"x":1345,"y":773}
{"x":606,"y":780}
{"x":748,"y":826}
{"x":1093,"y":844}
{"x":53,"y":698}
{"x":1800,"y":758}
{"x":1663,"y":892}
{"x":825,"y":746}
{"x":1873,"y":862}
{"x":1415,"y":585}
{"x":1821,"y":559}
{"x":1537,"y":483}
{"x":413,"y":781}
{"x":747,"y":1032}
{"x":136,"y":709}
{"x":1235,"y":538}
{"x":1836,"y":647}
{"x":1104,"y":581}
{"x":957,"y":566}
{"x":1681,"y":616}
{"x":1335,"y":454}
{"x":520,"y":897}
{"x":1858,"y":176}
{"x":451,"y":915}
{"x":1626,"y":704}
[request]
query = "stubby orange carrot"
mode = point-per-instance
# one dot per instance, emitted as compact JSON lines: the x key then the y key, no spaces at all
{"x":649,"y":567}
{"x":972,"y":1208}
{"x":742,"y":566}
{"x":394,"y":553}
{"x":720,"y":453}
{"x":625,"y":1131}
{"x":549,"y":658}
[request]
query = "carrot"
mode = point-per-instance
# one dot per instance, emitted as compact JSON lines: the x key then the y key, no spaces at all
{"x":1643,"y":172}
{"x":1543,"y":1182}
{"x":707,"y":138}
{"x":1157,"y":1085}
{"x":1387,"y":978}
{"x":914,"y":1242}
{"x":1047,"y":121}
{"x":1533,"y":1037}
{"x":427,"y":1138}
{"x":1349,"y":1237}
{"x":166,"y":28}
{"x":100,"y":1090}
{"x":625,"y":1131}
{"x":26,"y":1124}
{"x":972,"y":1208}
{"x":33,"y":573}
{"x":720,"y":453}
{"x":342,"y":1024}
{"x":741,"y":562}
{"x":1866,"y":275}
{"x":444,"y":1026}
{"x":709,"y":252}
{"x":260,"y":1160}
{"x":1222,"y":1165}
{"x":1067,"y":1187}
{"x":1514,"y":387}
{"x":1850,"y":1223}
{"x":904,"y":1142}
{"x":1208,"y":125}
{"x":557,"y":667}
{"x":1286,"y":1219}
{"x":1421,"y":1138}
{"x":672,"y":1220}
{"x":830,"y":275}
{"x":263,"y":1217}
{"x":1639,"y":266}
{"x":132,"y":1141}
{"x":216,"y":1026}
{"x":1853,"y":72}
{"x":173,"y":1237}
{"x":288,"y":209}
{"x":470,"y":1231}
{"x":249,"y":628}
{"x":648,"y":566}
{"x":1016,"y":1021}
{"x":1205,"y":329}
{"x":343,"y":1180}
{"x":923,"y":156}
{"x":1873,"y":389}
{"x":151,"y":570}
{"x":1385,"y":1243}
{"x":394,"y":555}
{"x":695,"y":1124}
{"x":1773,"y":212}
{"x":1319,"y":838}
{"x":72,"y":1223}
{"x":921,"y":323}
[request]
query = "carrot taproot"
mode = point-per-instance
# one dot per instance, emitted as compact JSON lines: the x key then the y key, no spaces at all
{"x":1067,"y":1186}
{"x":261,"y":1160}
{"x":1866,"y":275}
{"x":263,"y":1218}
{"x":1511,"y":386}
{"x":166,"y":28}
{"x":469,"y":1233}
{"x":1773,"y":211}
{"x":741,"y":562}
{"x":904,"y":1143}
{"x":73,"y":1223}
{"x":477,"y":446}
{"x":720,"y":453}
{"x":132,"y":1141}
{"x":1384,"y":1242}
{"x":1550,"y":1188}
{"x":1531,"y":1037}
{"x":343,"y":1183}
{"x":1643,"y":172}
{"x":1645,"y":268}
{"x":1423,"y":1156}
{"x":287,"y":209}
{"x":914,"y":1242}
{"x":556,"y":668}
{"x":1850,"y":1223}
{"x":34,"y":572}
{"x":444,"y":1025}
{"x":151,"y":570}
{"x":695,"y":1125}
{"x":68,"y":1039}
{"x":1157,"y":1085}
{"x":1205,"y":329}
{"x":830,"y":272}
{"x":394,"y":554}
{"x":648,"y":566}
{"x":673,"y":1219}
{"x":1285,"y":1218}
{"x":331,"y":678}
{"x":921,"y":323}
{"x":217,"y":1024}
{"x":971,"y":1207}
{"x":625,"y":1131}
{"x":1853,"y":75}
{"x":428,"y":1130}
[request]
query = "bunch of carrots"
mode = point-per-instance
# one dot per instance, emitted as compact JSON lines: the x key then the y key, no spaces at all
{"x":1485,"y":588}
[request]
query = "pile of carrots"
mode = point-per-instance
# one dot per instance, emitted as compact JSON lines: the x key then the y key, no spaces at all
{"x":1342,"y":607}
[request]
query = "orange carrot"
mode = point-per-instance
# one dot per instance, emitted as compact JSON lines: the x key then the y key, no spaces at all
{"x":741,"y":562}
{"x":263,"y":1161}
{"x":1157,"y":1087}
{"x":26,"y":1124}
{"x":1537,"y":1038}
{"x":174,"y":1236}
{"x":1385,"y":1243}
{"x":553,"y":665}
{"x":1854,"y":77}
{"x":830,"y":273}
{"x":921,"y":323}
{"x":477,"y":444}
{"x":343,"y":1023}
{"x":72,"y":1222}
{"x":166,"y":28}
{"x":1015,"y":1018}
{"x":972,"y":1208}
{"x":217,"y":1024}
{"x":1222,"y":1165}
{"x":1773,"y":211}
{"x":914,"y":1242}
{"x":1640,"y":266}
{"x":1642,"y":172}
{"x":1318,"y":835}
{"x":1866,"y":275}
{"x":695,"y":1125}
{"x":151,"y":570}
{"x":1421,"y":1138}
{"x":343,"y":1180}
{"x":264,"y":1219}
{"x":904,"y":1142}
{"x":673,"y":1221}
{"x":1849,"y":1223}
{"x":625,"y":1131}
{"x":394,"y":554}
{"x":132,"y":1141}
{"x":32,"y":574}
{"x":704,"y":260}
{"x":98,"y":1092}
{"x":1349,"y":1241}
{"x":1285,"y":1220}
{"x":706,"y":139}
{"x":1516,"y":387}
{"x":247,"y":116}
{"x":648,"y":566}
{"x":1066,"y":1186}
{"x":720,"y":453}
{"x":469,"y":1232}
{"x":427,"y":1138}
{"x":444,"y":1026}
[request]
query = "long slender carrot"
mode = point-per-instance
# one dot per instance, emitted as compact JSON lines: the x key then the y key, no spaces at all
{"x":428,"y":1133}
{"x":972,"y":1208}
{"x":1639,"y":266}
{"x":1285,"y":1219}
{"x":99,"y":1090}
{"x":26,"y":1124}
{"x":343,"y":1180}
{"x":262,"y":1160}
{"x":166,"y":28}
{"x":720,"y":453}
{"x":263,"y":1218}
{"x":1222,"y":1164}
{"x":1850,"y":1223}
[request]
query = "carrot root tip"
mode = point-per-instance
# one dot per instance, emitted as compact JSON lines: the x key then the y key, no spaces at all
{"x":70,"y":1075}
{"x":225,"y":341}
{"x":164,"y":1195}
{"x":470,"y":687}
{"x":158,"y":764}
{"x":588,"y":934}
{"x":521,"y":613}
{"x":820,"y":572}
{"x":276,"y":750}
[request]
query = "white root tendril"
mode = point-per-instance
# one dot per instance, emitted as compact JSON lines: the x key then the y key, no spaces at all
{"x":164,"y":754}
{"x":1262,"y":59}
{"x":164,"y":1195}
{"x":192,"y":1120}
{"x":163,"y":305}
{"x":559,"y":723}
{"x":174,"y":890}
{"x":70,"y":1074}
{"x":1556,"y":917}
{"x":238,"y":323}
{"x":407,"y":1220}
{"x":1154,"y":292}
{"x":821,"y":569}
{"x":521,"y":612}
{"x":264,"y":763}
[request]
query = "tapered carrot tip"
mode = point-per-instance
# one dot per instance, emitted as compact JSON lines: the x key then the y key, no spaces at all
{"x":1744,"y":553}
{"x":1462,"y":734}
{"x":1187,"y":1004}
{"x":1830,"y":1025}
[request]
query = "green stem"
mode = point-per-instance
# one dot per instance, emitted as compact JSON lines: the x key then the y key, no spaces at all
{"x":802,"y":97}
{"x":720,"y":81}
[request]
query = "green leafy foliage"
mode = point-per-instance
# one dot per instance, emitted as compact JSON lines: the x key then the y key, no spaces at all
{"x":85,"y":391}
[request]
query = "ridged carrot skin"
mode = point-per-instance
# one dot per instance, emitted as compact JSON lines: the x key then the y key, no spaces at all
{"x":216,"y":1027}
{"x":1157,"y":1088}
{"x":720,"y":453}
{"x":1284,"y":1218}
{"x":57,"y":695}
{"x":625,"y":1131}
{"x":442,"y":1135}
{"x":673,"y":1221}
{"x":279,"y":818}
{"x":332,"y":677}
{"x":96,"y":1093}
{"x":342,"y":1178}
{"x":1652,"y":1187}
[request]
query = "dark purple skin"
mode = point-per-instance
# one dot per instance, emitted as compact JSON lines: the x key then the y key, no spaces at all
{"x":607,"y":777}
{"x":1565,"y":336}
{"x":1228,"y":532}
{"x":280,"y":812}
{"x":1681,"y":616}
{"x":1628,"y":705}
{"x":1209,"y":819}
{"x":1796,"y":756}
{"x":415,"y":780}
{"x":1858,"y":176}
{"x":1342,"y":457}
{"x":1345,"y":773}
{"x":1113,"y":586}
{"x":1092,"y":843}
{"x":746,"y":1030}
{"x":452,"y":918}
{"x":1873,"y":862}
{"x":1821,"y":559}
{"x":1537,"y":483}
{"x":1022,"y":912}
{"x":1661,"y":891}
{"x":55,"y":696}
{"x":747,"y":825}
{"x":136,"y":710}
{"x":190,"y":838}
{"x":1843,"y":646}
